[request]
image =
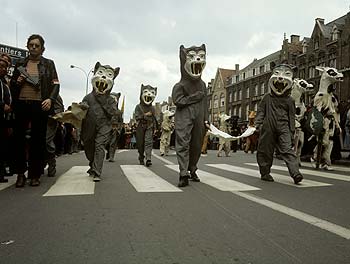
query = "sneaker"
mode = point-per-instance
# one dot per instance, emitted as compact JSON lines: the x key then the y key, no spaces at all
{"x":194,"y":177}
{"x":298,"y":178}
{"x":267,"y":177}
{"x":148,"y":163}
{"x":327,"y":167}
{"x":142,"y":162}
{"x":96,"y":178}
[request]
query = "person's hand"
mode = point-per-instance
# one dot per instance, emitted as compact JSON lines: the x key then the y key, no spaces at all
{"x":21,"y":79}
{"x":7,"y":108}
{"x":207,"y":125}
{"x":46,"y":104}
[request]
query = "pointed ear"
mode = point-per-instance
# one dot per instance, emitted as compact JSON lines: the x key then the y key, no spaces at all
{"x":155,"y":88}
{"x":203,"y":47}
{"x":97,"y":65}
{"x":116,"y":72}
{"x":320,"y":68}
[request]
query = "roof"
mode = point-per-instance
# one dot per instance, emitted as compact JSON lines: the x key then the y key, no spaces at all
{"x":258,"y":62}
{"x":226,"y":73}
{"x":327,"y":28}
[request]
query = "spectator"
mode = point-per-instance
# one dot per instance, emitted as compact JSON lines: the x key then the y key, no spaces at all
{"x":35,"y":87}
{"x":5,"y":102}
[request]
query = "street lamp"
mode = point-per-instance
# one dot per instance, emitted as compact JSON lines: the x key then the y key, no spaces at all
{"x":86,"y":75}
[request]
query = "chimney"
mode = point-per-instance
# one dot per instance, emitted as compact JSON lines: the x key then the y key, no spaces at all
{"x":320,"y":20}
{"x":236,"y":67}
{"x":294,"y":39}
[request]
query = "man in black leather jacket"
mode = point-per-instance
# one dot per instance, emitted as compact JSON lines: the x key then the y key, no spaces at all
{"x":34,"y":88}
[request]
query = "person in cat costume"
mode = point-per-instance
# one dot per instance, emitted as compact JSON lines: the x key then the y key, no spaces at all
{"x":146,"y":123}
{"x":275,"y":120}
{"x":191,"y":116}
{"x":97,"y":124}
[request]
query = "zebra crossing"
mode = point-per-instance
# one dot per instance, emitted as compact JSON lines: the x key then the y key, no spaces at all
{"x":144,"y":180}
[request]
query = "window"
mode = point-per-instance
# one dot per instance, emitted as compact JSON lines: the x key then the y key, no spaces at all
{"x":230,"y":112}
{"x":304,"y":46}
{"x":237,"y":78}
{"x":335,"y":33}
{"x":302,"y":74}
{"x":216,"y":101}
{"x":311,"y":72}
{"x":317,"y":44}
{"x":256,"y":92}
{"x":240,"y":95}
{"x":262,"y":89}
{"x":209,"y":103}
{"x":234,"y":96}
{"x":247,"y":93}
{"x":262,"y":69}
{"x":333,"y":63}
{"x":247,"y":111}
{"x":230,"y":98}
{"x":239,"y":111}
{"x":253,"y":72}
{"x":222,"y":100}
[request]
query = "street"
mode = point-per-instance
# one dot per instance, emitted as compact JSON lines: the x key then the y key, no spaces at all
{"x":139,"y":215}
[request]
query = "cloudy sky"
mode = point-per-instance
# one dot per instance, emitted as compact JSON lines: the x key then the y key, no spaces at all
{"x":143,"y":37}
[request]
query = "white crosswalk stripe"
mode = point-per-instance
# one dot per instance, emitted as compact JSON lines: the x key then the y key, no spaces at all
{"x":336,"y":168}
{"x":329,"y":175}
{"x":75,"y":181}
{"x":145,"y":180}
{"x":278,"y":177}
{"x":218,"y":182}
{"x":11,"y":181}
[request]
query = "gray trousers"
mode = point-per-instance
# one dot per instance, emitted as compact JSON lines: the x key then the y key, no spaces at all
{"x":52,"y":125}
{"x":282,"y":141}
{"x":95,"y":149}
{"x":144,"y":142}
{"x":188,"y":144}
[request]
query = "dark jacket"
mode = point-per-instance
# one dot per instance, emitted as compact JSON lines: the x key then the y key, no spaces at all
{"x":49,"y":85}
{"x":5,"y":96}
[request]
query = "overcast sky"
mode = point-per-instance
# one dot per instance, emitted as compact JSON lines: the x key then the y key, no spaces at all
{"x":143,"y":37}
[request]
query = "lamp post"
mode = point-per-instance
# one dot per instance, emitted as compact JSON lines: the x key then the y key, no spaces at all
{"x":86,"y":75}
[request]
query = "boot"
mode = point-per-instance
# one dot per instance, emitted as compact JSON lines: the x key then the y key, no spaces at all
{"x":267,"y":177}
{"x":21,"y":180}
{"x":297,"y":178}
{"x":183,"y":181}
{"x":148,"y":163}
{"x":34,"y":182}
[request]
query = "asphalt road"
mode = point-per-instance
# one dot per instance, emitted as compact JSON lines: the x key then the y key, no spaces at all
{"x":138,"y":215}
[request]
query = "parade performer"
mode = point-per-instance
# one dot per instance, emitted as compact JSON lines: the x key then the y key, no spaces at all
{"x":299,"y":88}
{"x":326,"y":103}
{"x":191,"y":117}
{"x":251,"y":140}
{"x":146,"y":123}
{"x":275,"y":121}
{"x":224,"y":144}
{"x":117,"y":123}
{"x":167,"y":129}
{"x":97,"y":125}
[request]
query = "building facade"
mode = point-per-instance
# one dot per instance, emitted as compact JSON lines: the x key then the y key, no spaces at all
{"x":217,"y":93}
{"x":247,"y":86}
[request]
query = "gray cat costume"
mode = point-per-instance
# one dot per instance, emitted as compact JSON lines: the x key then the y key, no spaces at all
{"x":191,"y":117}
{"x":97,"y":125}
{"x":276,"y":122}
{"x":146,"y":123}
